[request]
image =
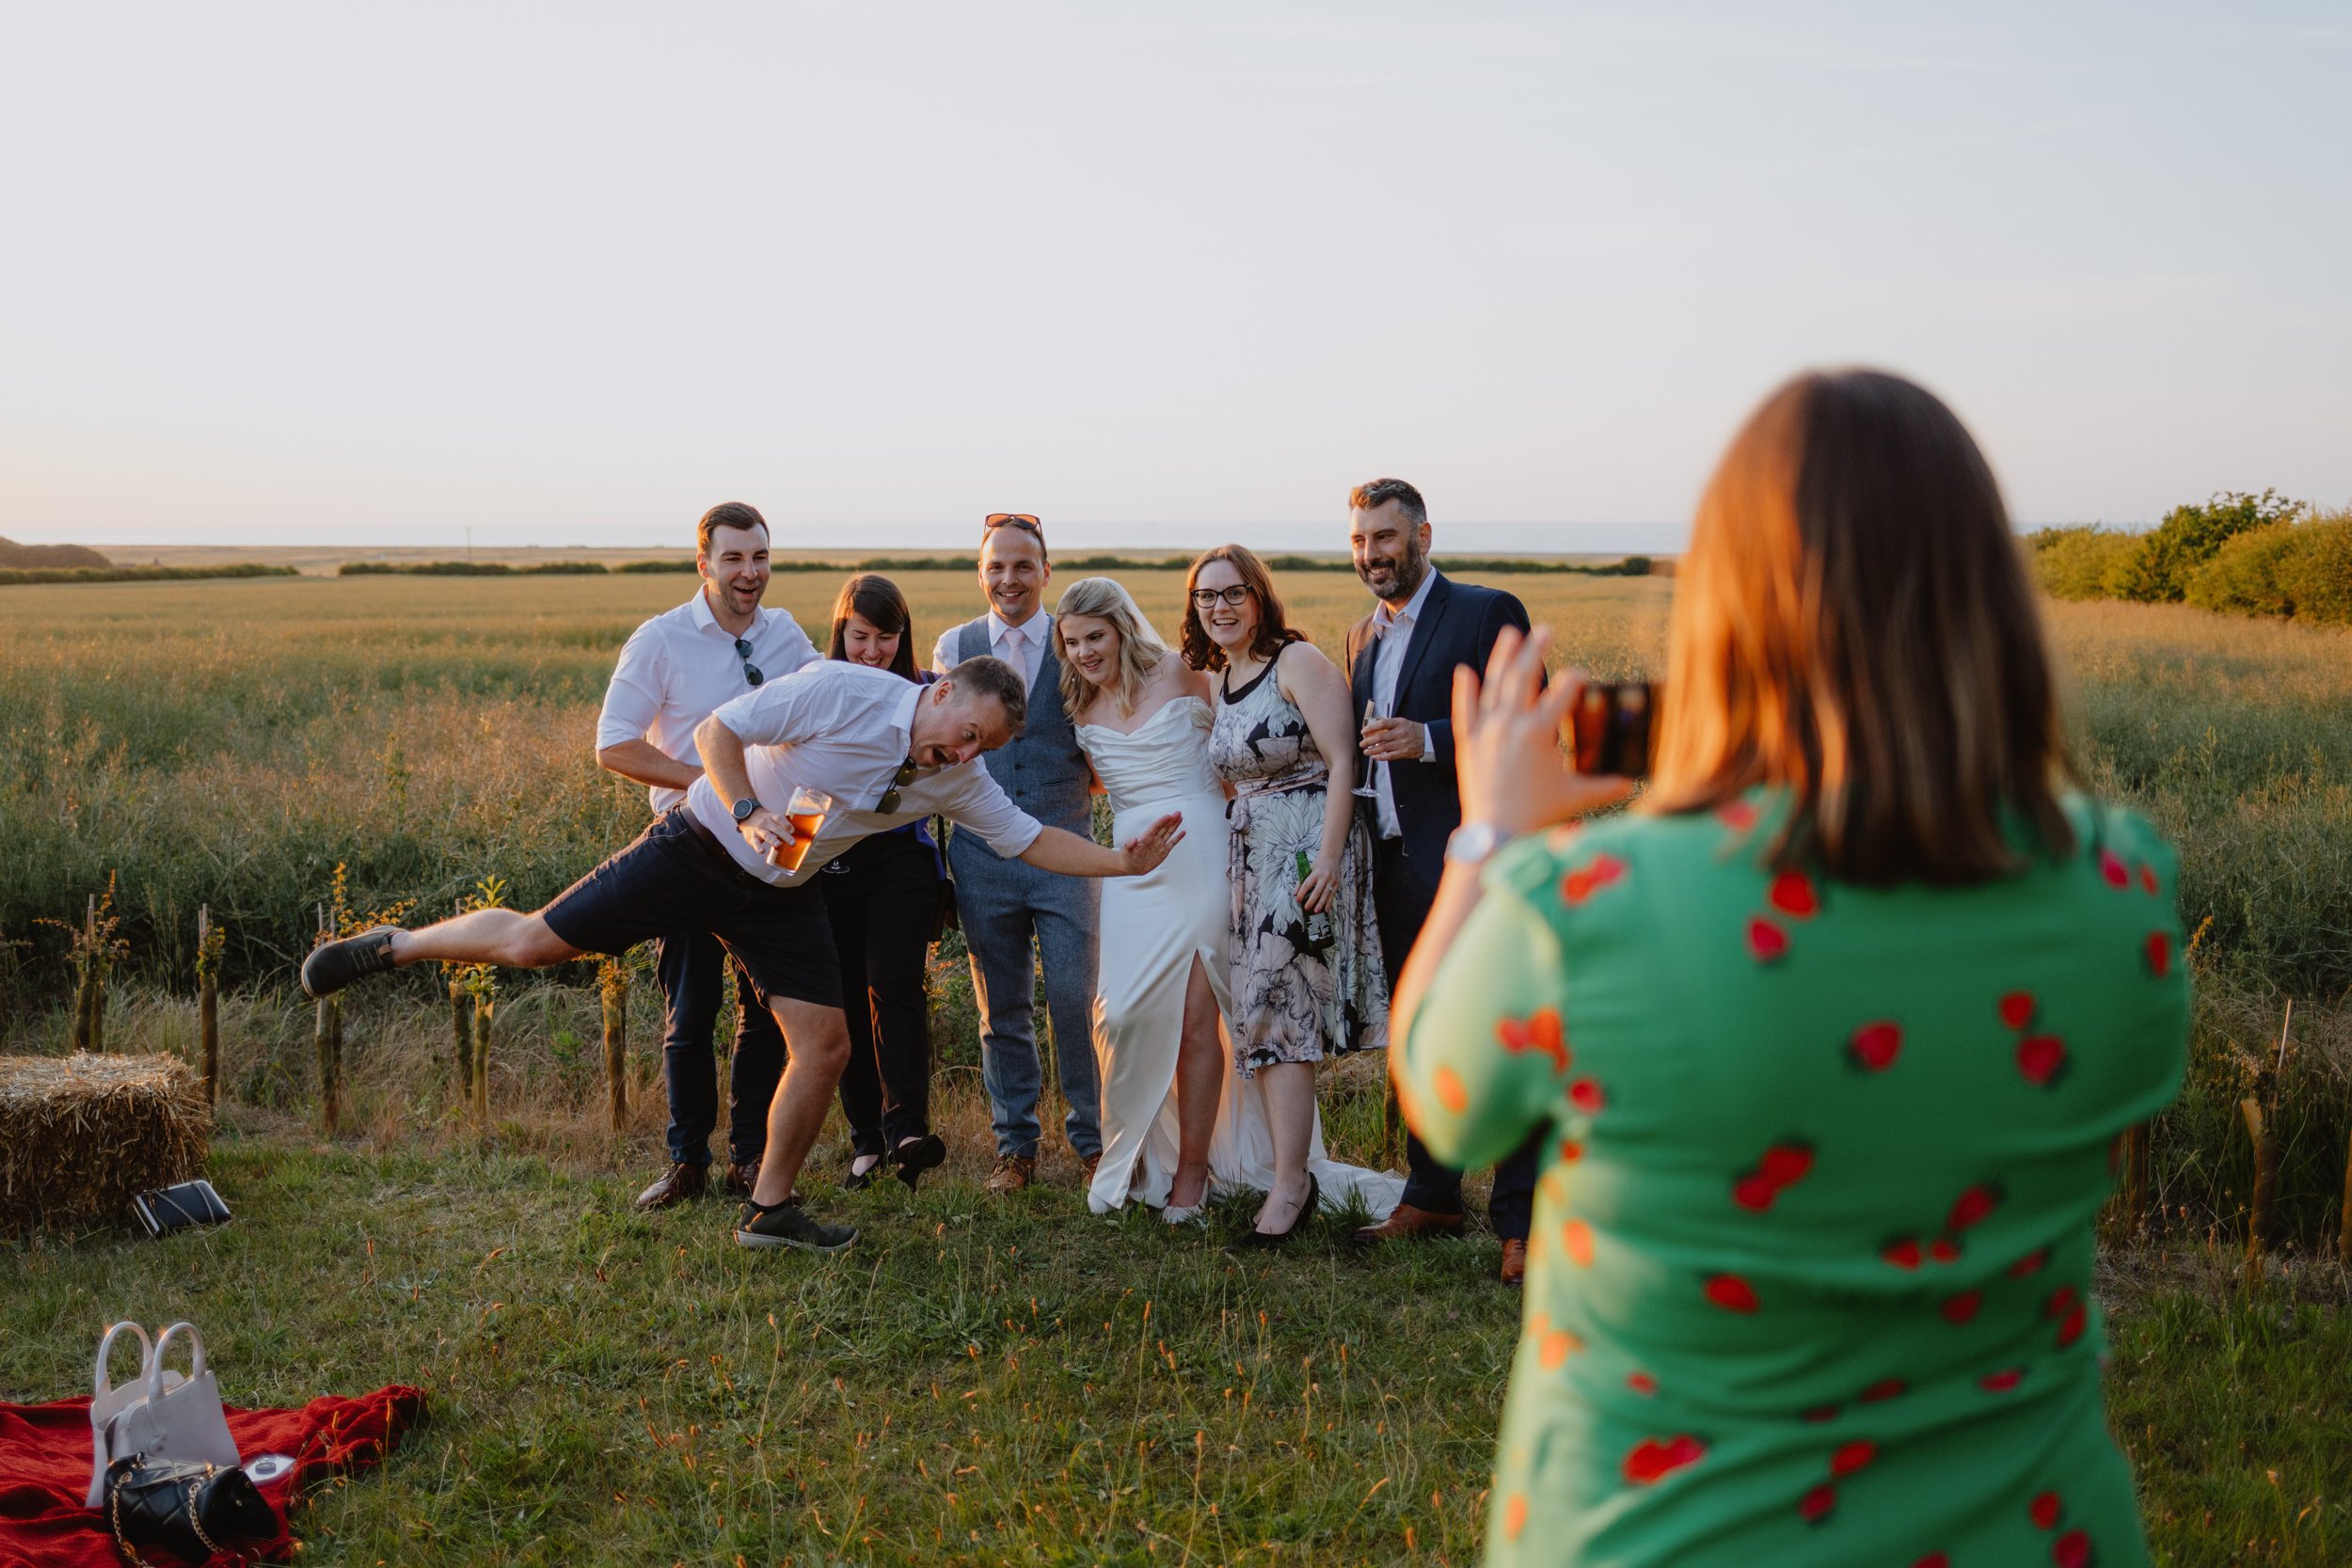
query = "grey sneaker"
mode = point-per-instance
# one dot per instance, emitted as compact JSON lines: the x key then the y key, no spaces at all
{"x":789,"y":1225}
{"x":333,"y":965}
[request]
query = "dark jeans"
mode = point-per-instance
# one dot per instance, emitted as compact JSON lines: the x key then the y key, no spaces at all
{"x":884,"y":903}
{"x":691,"y":965}
{"x":1401,"y":900}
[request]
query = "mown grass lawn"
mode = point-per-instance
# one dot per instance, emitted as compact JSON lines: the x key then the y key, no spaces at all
{"x":979,"y":1381}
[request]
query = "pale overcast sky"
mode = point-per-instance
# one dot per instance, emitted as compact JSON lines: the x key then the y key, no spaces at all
{"x":1162,"y":273}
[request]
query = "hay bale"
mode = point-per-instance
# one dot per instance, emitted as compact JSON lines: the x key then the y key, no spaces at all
{"x":80,"y":1136}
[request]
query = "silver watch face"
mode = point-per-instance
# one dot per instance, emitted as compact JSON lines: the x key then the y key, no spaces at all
{"x":1473,"y":843}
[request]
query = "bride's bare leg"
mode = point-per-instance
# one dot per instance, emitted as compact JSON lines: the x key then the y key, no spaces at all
{"x":1201,"y":1073}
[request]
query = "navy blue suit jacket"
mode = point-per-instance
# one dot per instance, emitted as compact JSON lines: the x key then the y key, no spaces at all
{"x":1458,"y":626}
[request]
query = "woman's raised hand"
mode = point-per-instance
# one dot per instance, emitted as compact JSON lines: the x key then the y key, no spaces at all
{"x":1506,"y":741}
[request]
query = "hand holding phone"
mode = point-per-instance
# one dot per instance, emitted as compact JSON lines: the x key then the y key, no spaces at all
{"x":1612,"y":728}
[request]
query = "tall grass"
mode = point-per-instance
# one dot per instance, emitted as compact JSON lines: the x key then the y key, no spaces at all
{"x":231,"y":744}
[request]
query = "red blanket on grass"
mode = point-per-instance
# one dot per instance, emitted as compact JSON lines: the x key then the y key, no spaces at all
{"x":44,"y":1470}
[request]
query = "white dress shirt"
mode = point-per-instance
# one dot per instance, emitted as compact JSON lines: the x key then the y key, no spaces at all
{"x":1022,"y":646}
{"x":846,"y":729}
{"x":1395,"y":633}
{"x":678,"y":667}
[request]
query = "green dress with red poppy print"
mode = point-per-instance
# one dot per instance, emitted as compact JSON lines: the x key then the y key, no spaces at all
{"x":1810,"y":1275}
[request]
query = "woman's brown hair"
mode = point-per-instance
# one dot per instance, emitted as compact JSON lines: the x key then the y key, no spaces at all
{"x":1854,"y":624}
{"x":1274,"y":627}
{"x":878,"y":599}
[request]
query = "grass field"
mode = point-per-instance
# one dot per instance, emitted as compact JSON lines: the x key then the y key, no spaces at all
{"x":977,"y":1382}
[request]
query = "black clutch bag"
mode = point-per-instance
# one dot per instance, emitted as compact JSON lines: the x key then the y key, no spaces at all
{"x":194,"y":1509}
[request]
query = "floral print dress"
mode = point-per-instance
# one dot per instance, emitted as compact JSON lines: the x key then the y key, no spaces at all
{"x":1303,"y":988}
{"x":1810,"y":1275}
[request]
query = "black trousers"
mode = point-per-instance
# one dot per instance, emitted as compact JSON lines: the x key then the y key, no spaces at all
{"x":692,"y":968}
{"x":883,"y":895}
{"x":1401,"y":900}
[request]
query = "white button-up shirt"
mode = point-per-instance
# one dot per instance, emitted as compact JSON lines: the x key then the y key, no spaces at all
{"x":1395,"y":633}
{"x":1022,"y":646}
{"x":846,"y":729}
{"x":678,"y":667}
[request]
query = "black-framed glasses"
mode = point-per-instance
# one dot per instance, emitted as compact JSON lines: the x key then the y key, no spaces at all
{"x":904,"y":777}
{"x":751,"y":671}
{"x":1206,"y":598}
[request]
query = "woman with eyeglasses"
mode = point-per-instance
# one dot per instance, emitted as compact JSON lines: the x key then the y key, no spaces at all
{"x":1828,"y":1040}
{"x":886,"y":897}
{"x":1306,"y":979}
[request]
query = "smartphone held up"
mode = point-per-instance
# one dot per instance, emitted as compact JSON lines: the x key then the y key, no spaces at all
{"x":1610,"y":728}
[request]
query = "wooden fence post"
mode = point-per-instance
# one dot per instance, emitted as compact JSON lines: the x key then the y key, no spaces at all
{"x":612,"y":983}
{"x":2265,"y":1177}
{"x":207,"y":1004}
{"x":2135,"y":1179}
{"x":485,"y":1009}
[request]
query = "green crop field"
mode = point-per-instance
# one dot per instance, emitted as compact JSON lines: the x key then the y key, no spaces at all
{"x":976,"y":1381}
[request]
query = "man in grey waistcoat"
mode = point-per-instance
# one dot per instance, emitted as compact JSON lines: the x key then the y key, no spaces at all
{"x":1004,"y":903}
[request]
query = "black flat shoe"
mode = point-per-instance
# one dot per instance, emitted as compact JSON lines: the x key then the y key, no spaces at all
{"x":858,"y":1180}
{"x":333,"y":965}
{"x":1306,"y":1212}
{"x":917,"y":1155}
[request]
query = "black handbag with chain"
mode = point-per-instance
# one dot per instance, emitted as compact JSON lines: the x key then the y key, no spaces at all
{"x":194,"y":1509}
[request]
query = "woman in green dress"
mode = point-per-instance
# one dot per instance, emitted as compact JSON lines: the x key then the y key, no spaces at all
{"x":1834,"y":1037}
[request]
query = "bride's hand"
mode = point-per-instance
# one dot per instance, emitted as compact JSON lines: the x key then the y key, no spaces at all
{"x":1506,"y":741}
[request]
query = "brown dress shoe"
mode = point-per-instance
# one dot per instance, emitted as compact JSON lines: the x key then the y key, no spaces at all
{"x":1086,"y":1168}
{"x":677,"y":1184}
{"x":1514,"y":1261}
{"x":742,"y":1178}
{"x":1405,"y":1224}
{"x":1014,"y":1172}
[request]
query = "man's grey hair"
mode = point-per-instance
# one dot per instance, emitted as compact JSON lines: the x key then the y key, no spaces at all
{"x":1379,"y":492}
{"x":989,"y":677}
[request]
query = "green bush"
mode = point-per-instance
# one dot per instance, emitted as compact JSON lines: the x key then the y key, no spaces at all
{"x":2158,"y":570}
{"x":2073,"y":563}
{"x":2301,"y":569}
{"x":11,"y":576}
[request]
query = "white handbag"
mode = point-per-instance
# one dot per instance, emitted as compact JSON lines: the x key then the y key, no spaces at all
{"x":163,"y":1415}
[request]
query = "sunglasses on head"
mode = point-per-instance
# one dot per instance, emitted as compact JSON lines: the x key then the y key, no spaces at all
{"x":1022,"y":520}
{"x":904,"y":777}
{"x":1206,"y":598}
{"x":751,"y":671}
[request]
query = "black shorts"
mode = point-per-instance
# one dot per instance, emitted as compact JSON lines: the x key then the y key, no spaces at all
{"x":674,"y":878}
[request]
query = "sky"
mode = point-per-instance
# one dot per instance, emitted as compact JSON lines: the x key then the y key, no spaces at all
{"x":1162,"y":274}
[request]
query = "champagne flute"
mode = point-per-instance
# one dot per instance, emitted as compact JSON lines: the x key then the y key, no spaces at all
{"x":1365,"y":789}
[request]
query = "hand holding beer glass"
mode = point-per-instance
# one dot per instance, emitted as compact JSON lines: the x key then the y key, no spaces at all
{"x":807,"y":814}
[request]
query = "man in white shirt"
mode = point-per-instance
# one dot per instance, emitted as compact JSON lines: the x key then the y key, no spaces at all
{"x":1014,"y":916}
{"x":675,"y":670}
{"x":888,"y":753}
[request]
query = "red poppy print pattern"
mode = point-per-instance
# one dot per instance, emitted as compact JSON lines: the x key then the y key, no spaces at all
{"x":1539,"y":1034}
{"x":1653,"y":1459}
{"x":1782,"y":1166}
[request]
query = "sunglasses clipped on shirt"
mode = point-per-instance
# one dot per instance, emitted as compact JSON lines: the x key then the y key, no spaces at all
{"x":904,"y":777}
{"x":751,"y":671}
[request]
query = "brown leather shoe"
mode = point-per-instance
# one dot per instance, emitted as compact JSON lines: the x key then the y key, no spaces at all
{"x":1407,"y":1223}
{"x":679,"y":1183}
{"x":1014,"y":1172}
{"x":742,"y":1178}
{"x":1514,"y":1261}
{"x":1086,"y":1168}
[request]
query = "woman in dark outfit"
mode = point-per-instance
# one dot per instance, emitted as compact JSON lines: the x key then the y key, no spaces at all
{"x":884,"y":897}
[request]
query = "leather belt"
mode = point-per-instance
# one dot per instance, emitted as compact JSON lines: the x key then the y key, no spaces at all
{"x":718,"y":852}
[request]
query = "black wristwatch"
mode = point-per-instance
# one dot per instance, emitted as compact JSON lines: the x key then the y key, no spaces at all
{"x":744,"y":808}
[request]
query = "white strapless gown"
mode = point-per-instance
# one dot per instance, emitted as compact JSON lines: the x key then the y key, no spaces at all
{"x":1153,"y":928}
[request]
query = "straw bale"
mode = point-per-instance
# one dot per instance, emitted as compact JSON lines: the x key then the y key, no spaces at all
{"x":80,"y":1136}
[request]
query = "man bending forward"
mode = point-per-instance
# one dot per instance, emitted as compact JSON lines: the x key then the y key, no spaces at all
{"x":888,"y":753}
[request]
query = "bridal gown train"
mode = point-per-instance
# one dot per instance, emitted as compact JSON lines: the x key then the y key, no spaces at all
{"x":1154,"y":927}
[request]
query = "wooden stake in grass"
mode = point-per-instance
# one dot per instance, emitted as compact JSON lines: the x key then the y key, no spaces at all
{"x":612,"y":985}
{"x":2135,"y":1179}
{"x":209,"y":941}
{"x":2265,"y":1177}
{"x":326,"y":1041}
{"x":484,"y":1011}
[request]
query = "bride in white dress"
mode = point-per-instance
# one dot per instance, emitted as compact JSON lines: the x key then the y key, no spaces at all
{"x":1178,"y":1123}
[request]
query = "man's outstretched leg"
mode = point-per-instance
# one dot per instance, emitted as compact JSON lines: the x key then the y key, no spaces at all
{"x":504,"y":937}
{"x":818,"y":1043}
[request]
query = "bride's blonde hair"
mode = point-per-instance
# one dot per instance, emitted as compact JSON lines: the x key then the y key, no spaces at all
{"x":1140,"y":649}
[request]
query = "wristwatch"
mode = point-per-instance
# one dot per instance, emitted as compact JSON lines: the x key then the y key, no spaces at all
{"x":744,"y":808}
{"x":1474,"y":844}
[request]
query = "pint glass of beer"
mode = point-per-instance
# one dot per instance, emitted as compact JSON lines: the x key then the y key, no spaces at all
{"x":806,"y":813}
